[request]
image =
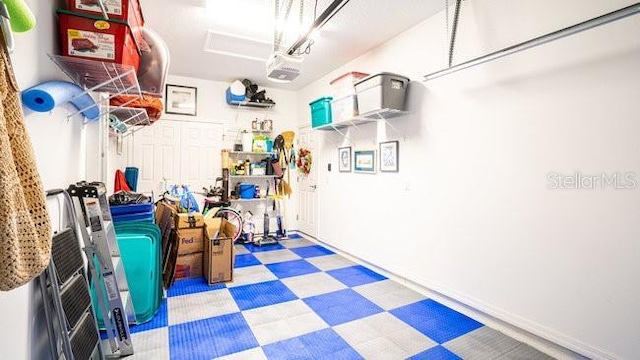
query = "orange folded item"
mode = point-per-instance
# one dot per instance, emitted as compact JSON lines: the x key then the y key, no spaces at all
{"x":152,"y":104}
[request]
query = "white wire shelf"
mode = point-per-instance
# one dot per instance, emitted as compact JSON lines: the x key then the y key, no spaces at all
{"x":250,"y":104}
{"x":98,"y":76}
{"x":111,"y":78}
{"x":372,"y":116}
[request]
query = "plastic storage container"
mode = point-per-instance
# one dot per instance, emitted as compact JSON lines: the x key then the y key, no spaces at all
{"x":131,"y":209}
{"x":344,"y":85}
{"x":91,"y":37}
{"x":381,"y":91}
{"x":344,"y":108}
{"x":321,"y":111}
{"x":126,"y":10}
{"x":247,"y":191}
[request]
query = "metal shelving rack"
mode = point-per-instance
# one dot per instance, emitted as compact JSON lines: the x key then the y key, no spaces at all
{"x":112,"y":79}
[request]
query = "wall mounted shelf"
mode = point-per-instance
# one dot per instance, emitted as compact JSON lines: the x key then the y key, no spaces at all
{"x":250,"y":104}
{"x":372,"y":116}
{"x":109,"y":78}
{"x":369,"y":117}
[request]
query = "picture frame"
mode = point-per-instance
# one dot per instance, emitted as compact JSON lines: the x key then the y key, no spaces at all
{"x":389,"y":156}
{"x":364,"y":161}
{"x":344,"y":159}
{"x":181,"y":100}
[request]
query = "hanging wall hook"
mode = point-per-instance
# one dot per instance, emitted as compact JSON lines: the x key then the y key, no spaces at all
{"x":5,"y":26}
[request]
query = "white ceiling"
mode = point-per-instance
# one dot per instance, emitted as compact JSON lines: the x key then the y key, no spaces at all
{"x":360,"y":26}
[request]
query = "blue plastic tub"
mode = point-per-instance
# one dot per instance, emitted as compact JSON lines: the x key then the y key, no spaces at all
{"x":247,"y":191}
{"x":141,"y":217}
{"x":321,"y":111}
{"x":131,"y":209}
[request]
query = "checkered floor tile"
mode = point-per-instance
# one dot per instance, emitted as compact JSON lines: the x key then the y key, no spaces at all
{"x":299,"y":300}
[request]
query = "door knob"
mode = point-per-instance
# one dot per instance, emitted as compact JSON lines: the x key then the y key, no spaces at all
{"x":313,"y":186}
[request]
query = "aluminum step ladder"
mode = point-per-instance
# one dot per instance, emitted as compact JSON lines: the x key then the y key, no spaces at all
{"x":69,"y":314}
{"x":105,"y":265}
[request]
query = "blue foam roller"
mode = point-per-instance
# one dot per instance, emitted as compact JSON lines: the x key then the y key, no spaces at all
{"x":48,"y":95}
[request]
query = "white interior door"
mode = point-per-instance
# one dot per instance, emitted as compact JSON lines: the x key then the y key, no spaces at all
{"x":201,"y":144}
{"x":156,"y":153}
{"x":307,"y":197}
{"x":180,"y":152}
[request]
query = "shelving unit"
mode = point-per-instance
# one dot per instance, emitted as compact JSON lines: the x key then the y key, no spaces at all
{"x":110,"y":78}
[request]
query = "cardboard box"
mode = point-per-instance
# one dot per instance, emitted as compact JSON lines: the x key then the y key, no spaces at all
{"x":188,"y":266}
{"x":193,"y":220}
{"x":190,"y":240}
{"x":165,"y":213}
{"x":218,"y":250}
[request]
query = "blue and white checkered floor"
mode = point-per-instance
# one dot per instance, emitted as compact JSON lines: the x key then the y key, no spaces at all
{"x":299,"y":300}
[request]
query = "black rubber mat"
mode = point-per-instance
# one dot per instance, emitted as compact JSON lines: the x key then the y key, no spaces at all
{"x":84,"y":339}
{"x":75,"y":300}
{"x":66,"y":255}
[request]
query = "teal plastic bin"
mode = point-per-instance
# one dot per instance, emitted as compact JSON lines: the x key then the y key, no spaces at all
{"x":321,"y":111}
{"x":140,"y":249}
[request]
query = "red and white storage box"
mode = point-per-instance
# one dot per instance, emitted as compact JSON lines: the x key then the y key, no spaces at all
{"x":344,"y":85}
{"x":126,"y":10}
{"x":382,"y":91}
{"x":92,"y":37}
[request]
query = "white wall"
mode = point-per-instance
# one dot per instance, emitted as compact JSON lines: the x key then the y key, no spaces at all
{"x":470,"y":214}
{"x":58,"y":149}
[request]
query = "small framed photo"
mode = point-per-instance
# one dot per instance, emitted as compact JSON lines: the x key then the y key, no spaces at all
{"x":389,"y":156}
{"x":365,"y":161}
{"x":181,"y":100}
{"x":344,"y":159}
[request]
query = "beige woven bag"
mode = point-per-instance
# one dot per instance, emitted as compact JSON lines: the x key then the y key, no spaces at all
{"x":25,"y":231}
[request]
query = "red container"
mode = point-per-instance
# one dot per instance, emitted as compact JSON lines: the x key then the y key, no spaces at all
{"x":126,"y":10}
{"x":91,"y":37}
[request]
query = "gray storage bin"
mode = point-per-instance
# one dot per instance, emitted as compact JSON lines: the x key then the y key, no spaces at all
{"x":381,"y":91}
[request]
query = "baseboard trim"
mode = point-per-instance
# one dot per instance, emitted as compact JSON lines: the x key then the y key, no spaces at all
{"x":551,"y":342}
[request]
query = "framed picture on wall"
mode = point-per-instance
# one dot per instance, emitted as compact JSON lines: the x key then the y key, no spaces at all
{"x":344,"y":159}
{"x":364,"y":161}
{"x":181,"y":100}
{"x":389,"y":156}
